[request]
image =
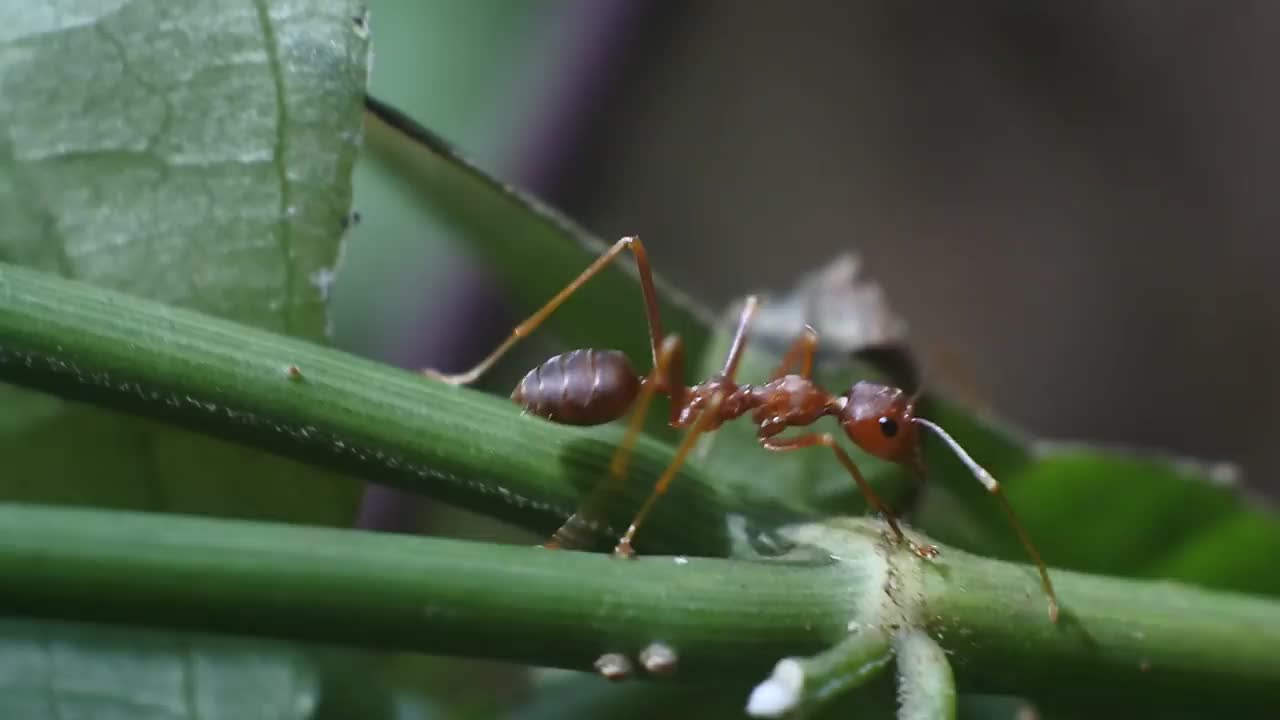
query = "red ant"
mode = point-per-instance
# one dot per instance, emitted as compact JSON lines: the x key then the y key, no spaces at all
{"x":592,"y":387}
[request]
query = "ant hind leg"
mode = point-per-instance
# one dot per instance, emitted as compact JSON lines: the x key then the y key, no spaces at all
{"x":704,"y":423}
{"x":533,"y":321}
{"x":573,"y":533}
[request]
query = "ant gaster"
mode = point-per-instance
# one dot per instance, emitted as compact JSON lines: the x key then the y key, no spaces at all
{"x":591,"y":387}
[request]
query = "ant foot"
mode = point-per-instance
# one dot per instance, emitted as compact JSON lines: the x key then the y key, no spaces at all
{"x":552,"y":544}
{"x":624,"y":549}
{"x":925,"y":552}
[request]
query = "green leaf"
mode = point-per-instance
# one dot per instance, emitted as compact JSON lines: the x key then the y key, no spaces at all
{"x":56,"y":671}
{"x":534,"y":250}
{"x":193,"y":153}
{"x":583,"y":696}
{"x":1107,"y":510}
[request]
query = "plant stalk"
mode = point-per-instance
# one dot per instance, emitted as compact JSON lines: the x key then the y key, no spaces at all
{"x":1153,"y":643}
{"x":1117,"y":639}
{"x":428,"y":595}
{"x":337,"y":411}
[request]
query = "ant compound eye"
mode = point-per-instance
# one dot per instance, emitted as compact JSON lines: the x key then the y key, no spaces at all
{"x":888,"y":427}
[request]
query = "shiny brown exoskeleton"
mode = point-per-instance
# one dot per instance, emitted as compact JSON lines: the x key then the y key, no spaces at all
{"x":590,"y":387}
{"x":582,"y":387}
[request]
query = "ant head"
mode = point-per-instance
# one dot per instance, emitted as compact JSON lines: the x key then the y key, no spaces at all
{"x":880,"y":419}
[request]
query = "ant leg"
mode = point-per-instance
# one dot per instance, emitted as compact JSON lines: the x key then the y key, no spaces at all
{"x":536,"y":319}
{"x":731,"y":361}
{"x":826,"y":440}
{"x":739,"y":338}
{"x":669,"y":356}
{"x":801,"y":352}
{"x":705,"y":419}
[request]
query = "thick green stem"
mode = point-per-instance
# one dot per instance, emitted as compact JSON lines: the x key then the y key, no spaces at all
{"x":333,"y":409}
{"x":527,"y":604}
{"x":1117,"y":638}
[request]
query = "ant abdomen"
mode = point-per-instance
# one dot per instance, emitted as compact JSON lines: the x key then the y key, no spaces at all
{"x":581,"y":387}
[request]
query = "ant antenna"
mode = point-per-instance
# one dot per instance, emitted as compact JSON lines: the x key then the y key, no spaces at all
{"x":993,"y":487}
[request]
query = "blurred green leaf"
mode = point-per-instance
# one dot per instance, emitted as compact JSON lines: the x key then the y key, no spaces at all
{"x":193,"y":153}
{"x":478,"y":71}
{"x":534,"y":250}
{"x":577,"y":695}
{"x":1112,"y":511}
{"x":56,"y":671}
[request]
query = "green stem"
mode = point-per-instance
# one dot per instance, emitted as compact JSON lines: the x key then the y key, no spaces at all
{"x":438,"y":596}
{"x":1119,"y":640}
{"x":805,"y":685}
{"x":336,"y":411}
{"x":926,"y":688}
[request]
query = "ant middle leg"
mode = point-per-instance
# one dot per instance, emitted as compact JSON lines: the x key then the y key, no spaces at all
{"x":705,"y":422}
{"x":801,"y":352}
{"x":826,"y":440}
{"x":533,"y":321}
{"x":708,"y":418}
{"x":734,"y":357}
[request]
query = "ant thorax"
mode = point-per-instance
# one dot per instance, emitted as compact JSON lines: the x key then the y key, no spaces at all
{"x":735,"y":400}
{"x":789,"y":401}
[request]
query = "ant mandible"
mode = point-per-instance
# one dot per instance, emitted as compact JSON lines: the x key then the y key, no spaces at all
{"x":592,"y":387}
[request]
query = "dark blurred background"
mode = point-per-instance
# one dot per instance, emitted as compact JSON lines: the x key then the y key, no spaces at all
{"x":1070,"y":202}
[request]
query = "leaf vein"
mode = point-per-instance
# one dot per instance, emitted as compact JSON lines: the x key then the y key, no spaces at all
{"x":280,"y":158}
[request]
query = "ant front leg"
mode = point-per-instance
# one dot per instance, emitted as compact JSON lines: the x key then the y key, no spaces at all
{"x":529,"y":325}
{"x":826,"y":440}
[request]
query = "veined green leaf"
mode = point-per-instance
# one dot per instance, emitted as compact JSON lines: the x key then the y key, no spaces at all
{"x":194,"y":153}
{"x":54,"y":671}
